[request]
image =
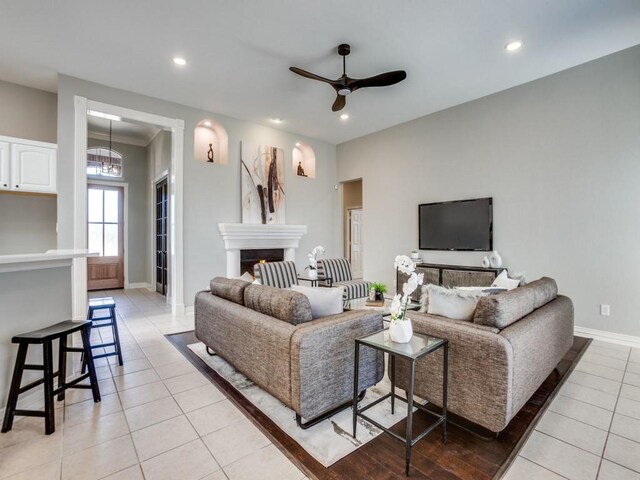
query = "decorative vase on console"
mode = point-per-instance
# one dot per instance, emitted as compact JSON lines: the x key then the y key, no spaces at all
{"x":400,"y":329}
{"x":486,"y":263}
{"x":495,"y":260}
{"x":313,"y":262}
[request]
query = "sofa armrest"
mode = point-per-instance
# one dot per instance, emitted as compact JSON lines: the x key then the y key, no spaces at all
{"x":540,"y":341}
{"x":480,"y":370}
{"x":322,"y":357}
{"x":257,"y":345}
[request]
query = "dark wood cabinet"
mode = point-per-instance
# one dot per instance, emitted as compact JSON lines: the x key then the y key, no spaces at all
{"x":450,"y":276}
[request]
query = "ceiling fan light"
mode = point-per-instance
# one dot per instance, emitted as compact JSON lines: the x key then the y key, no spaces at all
{"x":344,"y":91}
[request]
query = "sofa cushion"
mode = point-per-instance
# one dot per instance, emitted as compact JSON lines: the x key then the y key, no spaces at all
{"x":452,"y":303}
{"x":324,"y":301}
{"x":229,"y":289}
{"x":287,"y":305}
{"x":503,"y":281}
{"x":505,"y":308}
{"x":545,"y":289}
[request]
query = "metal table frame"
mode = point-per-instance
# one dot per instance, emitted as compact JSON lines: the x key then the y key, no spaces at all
{"x":314,"y":282}
{"x":407,"y":439}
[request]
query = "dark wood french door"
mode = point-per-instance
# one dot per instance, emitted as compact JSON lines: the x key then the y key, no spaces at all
{"x":161,"y":237}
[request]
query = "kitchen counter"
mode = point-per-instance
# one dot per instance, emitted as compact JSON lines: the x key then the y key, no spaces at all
{"x":35,"y":292}
{"x":37,"y":261}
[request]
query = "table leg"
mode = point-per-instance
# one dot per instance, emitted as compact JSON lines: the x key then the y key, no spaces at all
{"x":409,"y":433}
{"x":392,"y":374}
{"x":445,"y":390}
{"x":355,"y":388}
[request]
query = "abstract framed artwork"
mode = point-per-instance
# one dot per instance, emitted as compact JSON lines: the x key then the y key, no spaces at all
{"x":263,"y":195}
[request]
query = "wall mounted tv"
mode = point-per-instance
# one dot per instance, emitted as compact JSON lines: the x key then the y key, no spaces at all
{"x":464,"y":225}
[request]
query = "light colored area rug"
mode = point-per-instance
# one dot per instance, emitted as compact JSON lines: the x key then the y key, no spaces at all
{"x":328,"y":441}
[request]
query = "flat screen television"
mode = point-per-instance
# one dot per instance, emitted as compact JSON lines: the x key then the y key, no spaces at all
{"x":465,"y":225}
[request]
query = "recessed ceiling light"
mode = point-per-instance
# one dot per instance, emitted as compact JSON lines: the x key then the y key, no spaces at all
{"x":207,"y":123}
{"x":179,"y":61}
{"x":108,"y":116}
{"x":298,"y":144}
{"x":344,"y":116}
{"x":513,"y":46}
{"x":276,"y":120}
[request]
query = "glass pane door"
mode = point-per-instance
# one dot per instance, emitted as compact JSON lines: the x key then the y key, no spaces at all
{"x":104,"y":221}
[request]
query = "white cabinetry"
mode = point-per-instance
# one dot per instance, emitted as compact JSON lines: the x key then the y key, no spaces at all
{"x":5,"y":165}
{"x":27,"y":166}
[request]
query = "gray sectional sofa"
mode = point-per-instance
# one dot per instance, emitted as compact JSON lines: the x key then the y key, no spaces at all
{"x":268,"y":334}
{"x":498,"y":360}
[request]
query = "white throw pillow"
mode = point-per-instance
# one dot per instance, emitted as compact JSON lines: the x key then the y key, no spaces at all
{"x":324,"y":301}
{"x":452,"y":303}
{"x":503,"y":281}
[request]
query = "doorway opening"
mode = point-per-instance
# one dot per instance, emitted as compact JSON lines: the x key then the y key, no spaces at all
{"x":117,"y":148}
{"x":353,"y":223}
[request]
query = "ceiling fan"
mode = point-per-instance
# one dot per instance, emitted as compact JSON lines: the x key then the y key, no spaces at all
{"x":346,"y":85}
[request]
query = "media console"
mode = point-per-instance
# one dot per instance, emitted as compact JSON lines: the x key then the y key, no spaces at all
{"x":450,"y":276}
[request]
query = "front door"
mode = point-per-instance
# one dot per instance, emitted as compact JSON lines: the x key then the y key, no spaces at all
{"x":161,"y":237}
{"x":105,"y":233}
{"x":355,"y":241}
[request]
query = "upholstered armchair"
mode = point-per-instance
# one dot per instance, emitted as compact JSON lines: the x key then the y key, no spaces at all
{"x":276,"y":274}
{"x":339,"y":271}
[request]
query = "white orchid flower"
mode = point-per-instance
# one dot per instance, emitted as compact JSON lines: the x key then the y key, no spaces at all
{"x":396,"y":307}
{"x":411,"y":284}
{"x":404,"y":264}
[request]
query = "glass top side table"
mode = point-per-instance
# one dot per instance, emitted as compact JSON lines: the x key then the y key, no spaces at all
{"x":418,"y":347}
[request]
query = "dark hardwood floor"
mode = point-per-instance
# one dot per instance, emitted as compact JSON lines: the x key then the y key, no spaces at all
{"x":464,"y":456}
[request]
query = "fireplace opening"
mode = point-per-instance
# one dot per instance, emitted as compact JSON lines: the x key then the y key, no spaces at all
{"x":248,"y":258}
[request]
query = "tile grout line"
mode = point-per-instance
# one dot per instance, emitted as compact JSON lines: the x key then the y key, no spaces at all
{"x":542,"y":466}
{"x":612,"y":417}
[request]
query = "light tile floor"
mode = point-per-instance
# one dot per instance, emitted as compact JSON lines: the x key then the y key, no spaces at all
{"x":159,"y":417}
{"x":591,"y":430}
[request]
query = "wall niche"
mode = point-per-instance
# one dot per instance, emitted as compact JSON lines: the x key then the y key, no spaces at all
{"x":304,"y":160}
{"x":210,"y":142}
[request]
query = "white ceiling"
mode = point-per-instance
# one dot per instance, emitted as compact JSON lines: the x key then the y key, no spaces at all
{"x":239,"y":51}
{"x":124,"y":132}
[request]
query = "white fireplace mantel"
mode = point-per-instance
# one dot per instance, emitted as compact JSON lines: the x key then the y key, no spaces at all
{"x":250,"y":236}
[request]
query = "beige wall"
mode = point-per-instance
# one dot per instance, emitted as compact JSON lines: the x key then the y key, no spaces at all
{"x":135,"y":173}
{"x":28,"y":221}
{"x":211,"y":191}
{"x":28,"y":113}
{"x":351,"y":198}
{"x":561,"y":158}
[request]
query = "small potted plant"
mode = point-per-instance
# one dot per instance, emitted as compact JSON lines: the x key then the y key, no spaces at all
{"x":377,"y":291}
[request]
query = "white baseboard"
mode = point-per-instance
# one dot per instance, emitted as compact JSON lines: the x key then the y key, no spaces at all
{"x":619,"y":338}
{"x":138,"y":285}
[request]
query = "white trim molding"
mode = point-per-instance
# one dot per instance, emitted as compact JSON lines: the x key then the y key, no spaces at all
{"x":250,"y":236}
{"x":611,"y":337}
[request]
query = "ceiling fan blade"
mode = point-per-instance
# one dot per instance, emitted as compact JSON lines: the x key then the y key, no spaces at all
{"x":339,"y":104}
{"x":313,"y":76}
{"x":382,"y":80}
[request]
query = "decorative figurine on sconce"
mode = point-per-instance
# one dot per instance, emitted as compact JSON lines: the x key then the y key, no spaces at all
{"x":210,"y":154}
{"x":301,"y":170}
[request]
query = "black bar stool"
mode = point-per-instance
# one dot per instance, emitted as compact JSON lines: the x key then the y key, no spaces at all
{"x":46,"y":336}
{"x":96,"y":305}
